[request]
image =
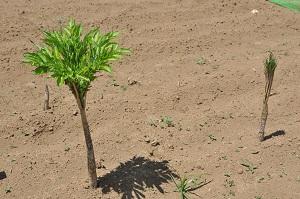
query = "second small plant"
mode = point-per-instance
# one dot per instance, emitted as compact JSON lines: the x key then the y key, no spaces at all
{"x":270,"y":66}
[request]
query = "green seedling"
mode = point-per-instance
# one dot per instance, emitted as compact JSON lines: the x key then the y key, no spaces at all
{"x":7,"y":190}
{"x":74,"y":60}
{"x":186,"y":186}
{"x":201,"y":61}
{"x":168,"y":121}
{"x":212,"y":137}
{"x":229,"y":183}
{"x":270,"y":66}
{"x":67,"y":148}
{"x":250,"y":167}
{"x":223,"y":157}
{"x":114,"y":83}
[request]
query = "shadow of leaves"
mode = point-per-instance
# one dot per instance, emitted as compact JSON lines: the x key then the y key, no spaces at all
{"x":130,"y":179}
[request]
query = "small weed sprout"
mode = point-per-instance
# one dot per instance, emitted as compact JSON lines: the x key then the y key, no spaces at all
{"x":212,"y":137}
{"x":229,"y":183}
{"x":250,"y":166}
{"x":185,"y":186}
{"x":7,"y":190}
{"x":167,"y":121}
{"x":163,"y":122}
{"x":270,"y":66}
{"x":201,"y":61}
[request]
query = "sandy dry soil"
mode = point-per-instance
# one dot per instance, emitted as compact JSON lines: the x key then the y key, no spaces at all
{"x":215,"y":106}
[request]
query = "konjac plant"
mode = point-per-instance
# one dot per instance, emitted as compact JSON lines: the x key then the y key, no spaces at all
{"x":270,"y":66}
{"x":73,"y":59}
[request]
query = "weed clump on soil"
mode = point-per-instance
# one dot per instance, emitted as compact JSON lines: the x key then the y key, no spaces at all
{"x":186,"y":186}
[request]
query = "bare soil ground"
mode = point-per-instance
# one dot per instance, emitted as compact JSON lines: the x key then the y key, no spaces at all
{"x":215,"y":106}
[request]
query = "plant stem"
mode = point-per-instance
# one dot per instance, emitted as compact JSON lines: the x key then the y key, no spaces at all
{"x":87,"y":135}
{"x":46,"y":100}
{"x":264,"y":114}
{"x":90,"y":149}
{"x":182,"y":195}
{"x":263,"y":121}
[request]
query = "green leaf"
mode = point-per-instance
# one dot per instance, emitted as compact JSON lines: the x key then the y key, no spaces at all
{"x":40,"y":70}
{"x":125,"y":50}
{"x":59,"y":81}
{"x":83,"y":78}
{"x":106,"y":68}
{"x":270,"y":64}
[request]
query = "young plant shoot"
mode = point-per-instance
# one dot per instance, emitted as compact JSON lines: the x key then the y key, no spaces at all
{"x":270,"y":66}
{"x":186,"y":186}
{"x":73,"y":59}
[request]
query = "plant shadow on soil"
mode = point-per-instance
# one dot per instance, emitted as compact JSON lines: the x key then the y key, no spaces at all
{"x":130,"y":179}
{"x":275,"y":134}
{"x":2,"y":175}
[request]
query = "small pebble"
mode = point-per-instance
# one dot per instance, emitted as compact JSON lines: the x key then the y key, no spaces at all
{"x":240,"y":171}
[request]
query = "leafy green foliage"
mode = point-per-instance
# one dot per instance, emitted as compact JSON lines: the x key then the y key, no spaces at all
{"x":270,"y":64}
{"x":74,"y":59}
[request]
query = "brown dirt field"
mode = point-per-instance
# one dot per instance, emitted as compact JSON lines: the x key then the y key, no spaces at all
{"x":215,"y":106}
